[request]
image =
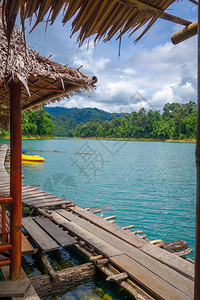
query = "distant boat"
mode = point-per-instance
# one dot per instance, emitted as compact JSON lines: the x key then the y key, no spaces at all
{"x":32,"y":158}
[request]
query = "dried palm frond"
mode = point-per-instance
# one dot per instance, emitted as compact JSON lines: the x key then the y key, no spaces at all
{"x":102,"y":18}
{"x":42,"y":79}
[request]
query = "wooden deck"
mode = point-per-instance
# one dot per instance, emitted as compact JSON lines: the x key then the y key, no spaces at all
{"x":146,"y":271}
{"x":20,"y":289}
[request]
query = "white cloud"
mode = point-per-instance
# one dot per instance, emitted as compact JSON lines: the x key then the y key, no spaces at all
{"x":150,"y":78}
{"x":148,"y":74}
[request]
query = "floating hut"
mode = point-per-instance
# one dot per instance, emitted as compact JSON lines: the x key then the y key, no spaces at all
{"x":28,"y":80}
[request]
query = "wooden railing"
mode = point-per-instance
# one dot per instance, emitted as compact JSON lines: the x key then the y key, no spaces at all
{"x":5,"y":242}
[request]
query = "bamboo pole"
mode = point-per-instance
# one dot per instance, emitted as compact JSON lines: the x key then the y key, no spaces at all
{"x":185,"y":33}
{"x":52,"y":96}
{"x":197,"y":241}
{"x":153,"y":11}
{"x":110,"y":218}
{"x":128,"y":227}
{"x":15,"y":178}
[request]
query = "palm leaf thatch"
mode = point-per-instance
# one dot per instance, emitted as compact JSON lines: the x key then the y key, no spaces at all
{"x":42,"y":79}
{"x":102,"y":18}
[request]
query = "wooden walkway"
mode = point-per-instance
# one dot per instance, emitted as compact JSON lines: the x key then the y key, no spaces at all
{"x":22,"y":288}
{"x":31,"y":195}
{"x":145,"y":270}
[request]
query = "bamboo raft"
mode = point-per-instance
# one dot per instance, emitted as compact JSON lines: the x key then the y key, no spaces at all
{"x":143,"y":269}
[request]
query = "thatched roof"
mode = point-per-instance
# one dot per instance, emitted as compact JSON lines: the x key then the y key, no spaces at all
{"x":102,"y":18}
{"x":43,"y":80}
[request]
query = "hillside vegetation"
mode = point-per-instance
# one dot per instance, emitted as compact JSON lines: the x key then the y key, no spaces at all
{"x":177,"y":121}
{"x":36,"y":123}
{"x":66,"y":119}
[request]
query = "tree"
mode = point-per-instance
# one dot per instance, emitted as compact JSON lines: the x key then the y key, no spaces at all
{"x":178,"y":121}
{"x":37,"y":122}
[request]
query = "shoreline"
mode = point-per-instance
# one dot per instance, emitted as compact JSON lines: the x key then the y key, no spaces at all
{"x":133,"y":139}
{"x":105,"y":139}
{"x":29,"y":138}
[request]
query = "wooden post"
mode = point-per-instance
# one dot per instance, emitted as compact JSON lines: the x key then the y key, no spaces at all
{"x":185,"y":33}
{"x":197,"y":241}
{"x":15,"y":178}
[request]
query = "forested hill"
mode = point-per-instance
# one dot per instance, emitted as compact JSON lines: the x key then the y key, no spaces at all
{"x":177,"y":121}
{"x":66,"y":119}
{"x":80,"y":114}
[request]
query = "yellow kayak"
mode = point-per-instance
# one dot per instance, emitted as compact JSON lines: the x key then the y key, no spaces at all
{"x":32,"y":157}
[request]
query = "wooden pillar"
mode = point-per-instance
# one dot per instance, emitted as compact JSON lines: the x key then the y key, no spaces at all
{"x":197,"y":241}
{"x":15,"y":178}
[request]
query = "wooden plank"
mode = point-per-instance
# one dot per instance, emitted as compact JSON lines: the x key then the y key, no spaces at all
{"x":40,"y":237}
{"x":175,"y":262}
{"x":163,"y":271}
{"x":39,"y":195}
{"x":31,"y":293}
{"x":4,"y":191}
{"x":31,"y":189}
{"x":42,"y":198}
{"x":5,"y":184}
{"x":150,"y":281}
{"x":165,"y":257}
{"x":35,"y":191}
{"x":96,"y":242}
{"x":52,"y":202}
{"x":27,"y":248}
{"x":45,"y":200}
{"x":13,"y":288}
{"x":55,"y":232}
{"x":4,"y":178}
{"x":31,"y":196}
{"x":110,"y":227}
{"x":47,"y":204}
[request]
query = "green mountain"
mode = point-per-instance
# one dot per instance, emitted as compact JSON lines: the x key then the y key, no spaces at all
{"x":177,"y":122}
{"x":66,"y":119}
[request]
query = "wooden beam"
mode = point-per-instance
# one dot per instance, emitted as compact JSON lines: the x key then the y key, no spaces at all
{"x":197,"y":153}
{"x":38,"y":88}
{"x":117,"y":277}
{"x":185,"y":33}
{"x":49,"y":267}
{"x":50,"y":97}
{"x":153,"y":11}
{"x":110,"y":218}
{"x":68,"y":279}
{"x":194,"y":1}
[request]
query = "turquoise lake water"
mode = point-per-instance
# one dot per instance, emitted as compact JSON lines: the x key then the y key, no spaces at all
{"x":149,"y":184}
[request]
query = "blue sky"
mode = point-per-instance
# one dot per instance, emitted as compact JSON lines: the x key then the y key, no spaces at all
{"x":148,"y":74}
